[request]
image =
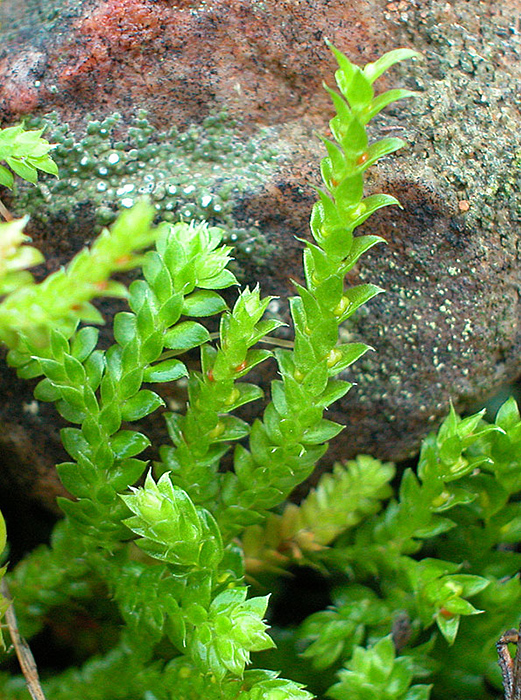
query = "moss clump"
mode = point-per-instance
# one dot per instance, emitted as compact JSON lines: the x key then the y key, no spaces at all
{"x":198,"y":174}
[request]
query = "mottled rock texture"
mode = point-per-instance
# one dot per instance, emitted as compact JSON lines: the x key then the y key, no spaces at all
{"x":447,"y":329}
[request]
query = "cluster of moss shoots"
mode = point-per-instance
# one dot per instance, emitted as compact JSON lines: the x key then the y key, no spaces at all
{"x":185,"y":551}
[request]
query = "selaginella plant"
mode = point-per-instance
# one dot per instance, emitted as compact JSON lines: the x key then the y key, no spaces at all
{"x":172,"y":547}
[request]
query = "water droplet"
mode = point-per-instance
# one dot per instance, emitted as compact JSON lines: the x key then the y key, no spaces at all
{"x":113,"y":159}
{"x":127,"y":202}
{"x":125,"y":189}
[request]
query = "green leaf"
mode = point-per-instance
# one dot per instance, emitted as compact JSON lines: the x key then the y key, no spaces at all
{"x":230,"y":428}
{"x":347,"y":68}
{"x":127,"y":443}
{"x":140,"y":405}
{"x":381,"y":148}
{"x":382,"y":100}
{"x":418,"y":692}
{"x":170,"y":311}
{"x":125,"y":328}
{"x":264,"y":685}
{"x":126,"y":472}
{"x":166,"y":371}
{"x":84,"y":512}
{"x":372,"y":71}
{"x":74,"y":481}
{"x":357,"y":297}
{"x":69,"y":412}
{"x":359,"y":246}
{"x":508,"y":416}
{"x":243,"y":393}
{"x":84,"y":342}
{"x":110,"y":416}
{"x":322,"y":432}
{"x":349,"y":192}
{"x":369,"y":205}
{"x":448,"y":626}
{"x":74,"y":442}
{"x":52,"y":369}
{"x":345,"y":355}
{"x":24,"y":170}
{"x":72,"y":396}
{"x":74,"y":370}
{"x":223,"y":279}
{"x":342,"y":109}
{"x":352,"y":136}
{"x":471,"y":584}
{"x":359,"y":91}
{"x":30,"y":370}
{"x":203,"y":303}
{"x":46,"y":391}
{"x":185,"y":336}
{"x":45,"y":164}
{"x":6,"y":177}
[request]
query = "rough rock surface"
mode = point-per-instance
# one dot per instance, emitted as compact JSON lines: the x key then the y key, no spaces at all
{"x":447,"y":327}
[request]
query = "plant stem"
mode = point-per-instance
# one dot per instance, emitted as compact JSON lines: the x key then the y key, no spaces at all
{"x":4,"y":211}
{"x":23,"y":652}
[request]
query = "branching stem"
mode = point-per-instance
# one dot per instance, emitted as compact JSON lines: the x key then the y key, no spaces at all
{"x":4,"y":211}
{"x":23,"y":652}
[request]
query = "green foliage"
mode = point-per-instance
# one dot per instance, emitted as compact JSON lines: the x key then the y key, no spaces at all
{"x":377,"y":673}
{"x":467,"y":471}
{"x":172,"y":550}
{"x":340,"y":501}
{"x":25,"y":152}
{"x":171,"y":528}
{"x":4,"y":603}
{"x":64,"y":298}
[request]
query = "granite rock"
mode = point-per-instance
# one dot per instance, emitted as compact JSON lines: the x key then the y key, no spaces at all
{"x":447,"y":329}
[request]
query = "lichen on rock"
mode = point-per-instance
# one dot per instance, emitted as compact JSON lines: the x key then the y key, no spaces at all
{"x":196,"y":174}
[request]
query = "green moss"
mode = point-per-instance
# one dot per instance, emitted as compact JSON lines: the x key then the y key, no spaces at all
{"x":198,"y":174}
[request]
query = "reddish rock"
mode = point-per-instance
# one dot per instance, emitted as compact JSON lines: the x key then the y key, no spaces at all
{"x":263,"y":61}
{"x":448,"y":326}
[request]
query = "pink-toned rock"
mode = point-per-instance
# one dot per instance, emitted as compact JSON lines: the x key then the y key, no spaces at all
{"x":264,"y":62}
{"x":448,"y":327}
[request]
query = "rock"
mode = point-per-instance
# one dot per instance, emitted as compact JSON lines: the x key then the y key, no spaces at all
{"x":447,"y":329}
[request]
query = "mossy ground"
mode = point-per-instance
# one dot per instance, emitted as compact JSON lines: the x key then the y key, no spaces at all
{"x":198,"y":174}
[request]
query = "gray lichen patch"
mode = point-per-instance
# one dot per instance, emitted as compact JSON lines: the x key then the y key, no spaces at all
{"x":467,"y":114}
